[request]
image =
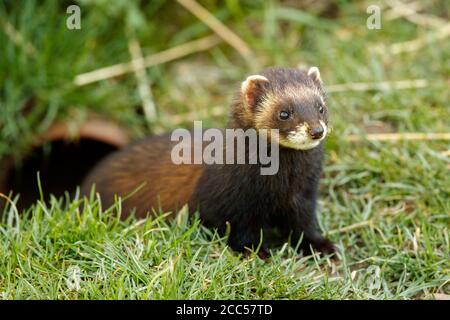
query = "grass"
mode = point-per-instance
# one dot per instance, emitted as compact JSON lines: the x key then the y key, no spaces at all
{"x":394,"y":196}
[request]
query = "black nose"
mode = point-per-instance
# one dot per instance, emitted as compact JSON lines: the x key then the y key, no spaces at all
{"x":316,"y":132}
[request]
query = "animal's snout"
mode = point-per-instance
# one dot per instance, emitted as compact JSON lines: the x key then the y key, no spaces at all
{"x":316,"y":132}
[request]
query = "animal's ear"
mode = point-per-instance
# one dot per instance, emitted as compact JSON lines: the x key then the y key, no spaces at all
{"x":314,"y":74}
{"x":253,"y":89}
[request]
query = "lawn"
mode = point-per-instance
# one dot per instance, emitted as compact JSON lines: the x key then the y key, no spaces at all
{"x":386,"y":204}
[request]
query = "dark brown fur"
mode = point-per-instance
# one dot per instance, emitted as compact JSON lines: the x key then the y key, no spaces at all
{"x":233,"y":193}
{"x":144,"y":174}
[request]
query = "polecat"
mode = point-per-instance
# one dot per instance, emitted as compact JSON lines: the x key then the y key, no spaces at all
{"x":290,"y":100}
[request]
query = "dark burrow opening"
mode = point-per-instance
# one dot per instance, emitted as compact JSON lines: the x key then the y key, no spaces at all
{"x":62,"y":165}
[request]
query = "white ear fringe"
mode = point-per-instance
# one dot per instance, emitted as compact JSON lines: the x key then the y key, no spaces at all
{"x":314,"y":73}
{"x":245,"y":84}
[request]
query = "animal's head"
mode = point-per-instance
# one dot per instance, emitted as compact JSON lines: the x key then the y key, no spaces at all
{"x":290,"y":100}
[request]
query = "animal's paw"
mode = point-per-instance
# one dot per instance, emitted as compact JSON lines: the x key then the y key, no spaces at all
{"x":263,"y":254}
{"x":323,"y":246}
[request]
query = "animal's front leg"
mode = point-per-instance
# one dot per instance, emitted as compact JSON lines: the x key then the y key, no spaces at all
{"x":317,"y":242}
{"x":245,"y":237}
{"x":302,"y":224}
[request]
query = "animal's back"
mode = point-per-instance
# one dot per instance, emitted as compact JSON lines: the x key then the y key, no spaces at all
{"x":146,"y":176}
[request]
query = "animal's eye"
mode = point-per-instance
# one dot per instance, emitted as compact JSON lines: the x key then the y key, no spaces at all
{"x":284,"y":115}
{"x":321,"y":108}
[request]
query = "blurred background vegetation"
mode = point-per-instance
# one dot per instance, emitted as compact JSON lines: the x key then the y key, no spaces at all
{"x":330,"y":34}
{"x":40,"y":58}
